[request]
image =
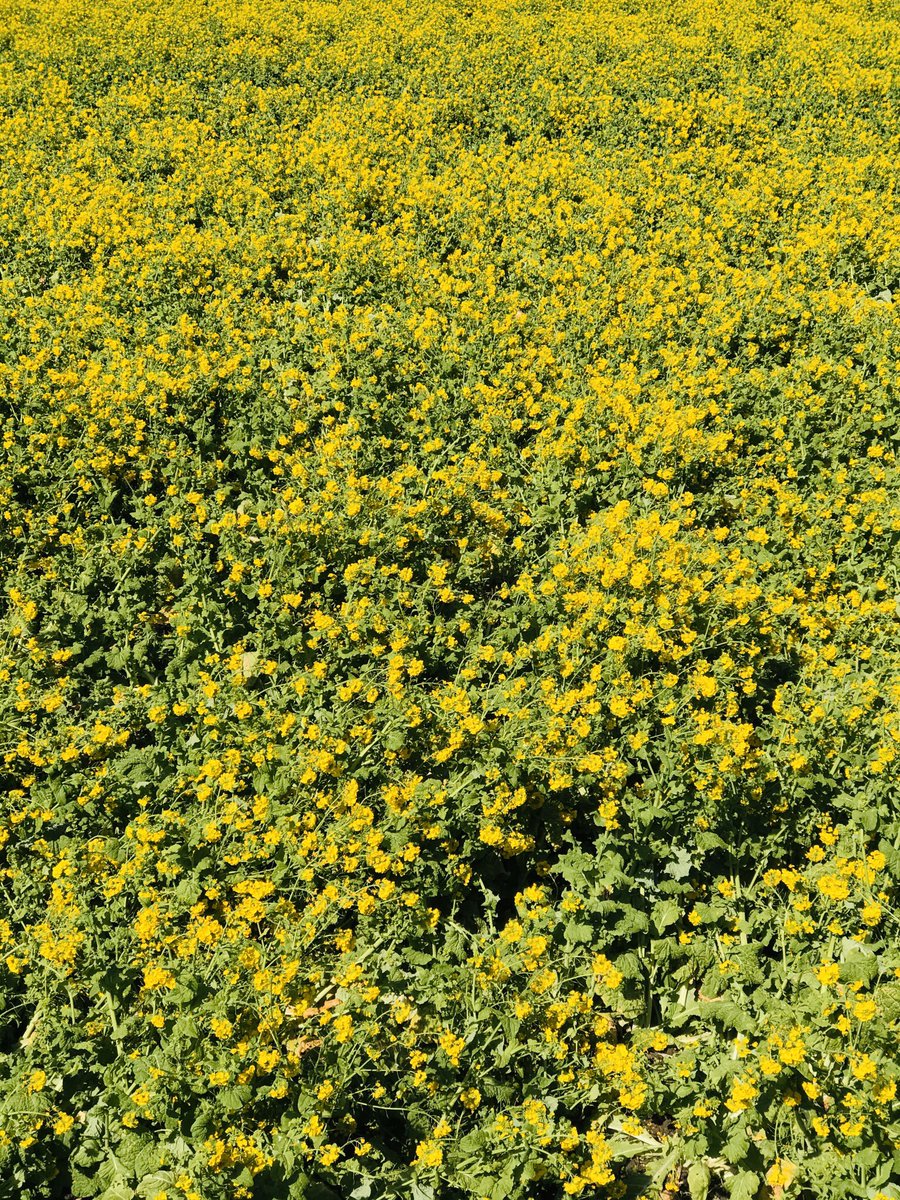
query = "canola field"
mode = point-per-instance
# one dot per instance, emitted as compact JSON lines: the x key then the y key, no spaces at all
{"x":450,"y":643}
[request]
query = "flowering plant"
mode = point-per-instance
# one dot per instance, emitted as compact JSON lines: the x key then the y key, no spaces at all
{"x":449,"y":672}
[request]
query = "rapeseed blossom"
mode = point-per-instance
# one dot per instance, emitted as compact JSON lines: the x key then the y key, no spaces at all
{"x":449,"y":669}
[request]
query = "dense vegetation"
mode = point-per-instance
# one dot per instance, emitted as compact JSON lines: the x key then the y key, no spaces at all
{"x":450,"y":667}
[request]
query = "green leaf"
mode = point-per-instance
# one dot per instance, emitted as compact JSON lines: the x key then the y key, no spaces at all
{"x":118,"y":1190}
{"x":699,"y":1178}
{"x":709,"y":841}
{"x":503,"y":1188}
{"x":665,"y":913}
{"x":576,"y":932}
{"x":681,"y":865}
{"x":83,"y":1185}
{"x":744,"y":1186}
{"x":151,"y":1185}
{"x":631,"y":921}
{"x":731,"y":1015}
{"x":234,"y":1098}
{"x":129,"y":1150}
{"x":735,"y":1149}
{"x":472,"y":1142}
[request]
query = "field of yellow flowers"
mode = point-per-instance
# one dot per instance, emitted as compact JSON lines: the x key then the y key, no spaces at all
{"x":450,"y":644}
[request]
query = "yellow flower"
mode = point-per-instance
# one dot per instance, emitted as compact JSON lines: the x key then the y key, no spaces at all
{"x":452,"y":1046}
{"x":865,"y":1010}
{"x":781,"y":1173}
{"x":828,"y":974}
{"x":706,"y":685}
{"x":156,"y":978}
{"x":851,"y":1128}
{"x":835,"y":887}
{"x":428,"y":1154}
{"x":606,"y":973}
{"x":862,"y":1066}
{"x":742,"y":1093}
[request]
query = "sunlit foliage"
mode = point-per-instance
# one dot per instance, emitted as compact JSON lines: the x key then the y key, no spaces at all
{"x":449,"y":665}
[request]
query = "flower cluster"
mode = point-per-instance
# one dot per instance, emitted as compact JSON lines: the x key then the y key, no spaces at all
{"x":449,"y":658}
